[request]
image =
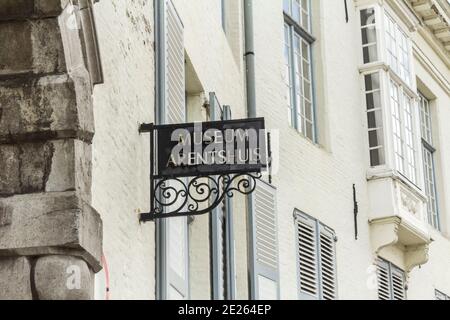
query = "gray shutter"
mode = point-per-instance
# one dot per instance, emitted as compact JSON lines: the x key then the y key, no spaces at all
{"x":266,"y":243}
{"x":384,"y":283}
{"x":391,"y":281}
{"x":176,"y":229}
{"x":398,"y":284}
{"x":327,"y":263}
{"x":307,"y":257}
{"x":217,"y":225}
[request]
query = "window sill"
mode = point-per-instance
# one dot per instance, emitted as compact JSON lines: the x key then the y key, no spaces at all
{"x":383,"y":172}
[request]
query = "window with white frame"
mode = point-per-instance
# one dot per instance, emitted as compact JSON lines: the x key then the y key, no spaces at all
{"x":394,"y":102}
{"x":397,"y":49}
{"x":402,"y":112}
{"x":298,"y":65}
{"x":428,"y":161}
{"x":391,"y":281}
{"x":316,"y":254}
{"x":375,"y":119}
{"x":369,"y":35}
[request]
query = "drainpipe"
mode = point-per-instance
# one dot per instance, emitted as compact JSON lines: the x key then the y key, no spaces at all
{"x":250,"y":58}
{"x":160,"y":232}
{"x":251,"y":113}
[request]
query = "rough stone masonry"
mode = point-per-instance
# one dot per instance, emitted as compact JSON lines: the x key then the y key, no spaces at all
{"x":50,"y":236}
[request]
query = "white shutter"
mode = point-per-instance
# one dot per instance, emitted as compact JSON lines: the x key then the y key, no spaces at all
{"x":266,"y":242}
{"x":398,"y":284}
{"x":176,"y":229}
{"x":175,"y":67}
{"x":327,"y":263}
{"x":307,"y":258}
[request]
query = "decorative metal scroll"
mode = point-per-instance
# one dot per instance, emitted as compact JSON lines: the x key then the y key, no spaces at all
{"x":197,"y":196}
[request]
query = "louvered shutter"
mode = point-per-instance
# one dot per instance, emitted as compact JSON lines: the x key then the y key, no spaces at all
{"x":384,"y":282}
{"x":391,"y":281}
{"x":398,"y":284}
{"x":176,"y":229}
{"x":308,"y":258}
{"x":218,"y":223}
{"x":266,"y":242}
{"x":327,"y":251}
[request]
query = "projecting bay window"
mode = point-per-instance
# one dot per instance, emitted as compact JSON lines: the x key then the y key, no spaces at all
{"x":428,"y":162}
{"x":298,"y":66}
{"x":391,"y":102}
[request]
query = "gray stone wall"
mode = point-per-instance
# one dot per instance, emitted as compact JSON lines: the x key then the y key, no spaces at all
{"x":50,"y":236}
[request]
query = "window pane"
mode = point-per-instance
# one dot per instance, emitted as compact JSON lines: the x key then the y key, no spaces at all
{"x":374,"y":119}
{"x":368,"y":17}
{"x":397,"y":47}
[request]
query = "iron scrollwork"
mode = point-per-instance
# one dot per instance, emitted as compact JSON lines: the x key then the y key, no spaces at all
{"x":179,"y":197}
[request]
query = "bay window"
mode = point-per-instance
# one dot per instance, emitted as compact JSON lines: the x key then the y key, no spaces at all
{"x":391,"y":102}
{"x":298,"y":66}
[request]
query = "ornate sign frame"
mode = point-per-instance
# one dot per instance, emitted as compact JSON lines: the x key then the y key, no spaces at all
{"x":191,"y":190}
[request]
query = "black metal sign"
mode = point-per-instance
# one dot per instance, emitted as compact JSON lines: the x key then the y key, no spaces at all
{"x":196,"y":165}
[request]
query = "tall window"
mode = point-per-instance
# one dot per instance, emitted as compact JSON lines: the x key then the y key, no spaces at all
{"x":403,"y":132}
{"x":375,"y":119}
{"x":397,"y":46}
{"x":316,"y":259}
{"x":369,"y":35}
{"x":391,"y":281}
{"x":428,"y":160}
{"x":297,"y":52}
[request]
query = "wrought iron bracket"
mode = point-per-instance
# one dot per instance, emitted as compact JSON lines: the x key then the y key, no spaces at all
{"x":192,"y":196}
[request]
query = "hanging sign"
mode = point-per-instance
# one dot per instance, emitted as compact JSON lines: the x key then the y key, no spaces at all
{"x":210,"y":148}
{"x":194,"y":166}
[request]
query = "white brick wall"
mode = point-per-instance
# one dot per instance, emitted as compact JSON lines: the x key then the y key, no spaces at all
{"x":120,"y":155}
{"x":316,"y":179}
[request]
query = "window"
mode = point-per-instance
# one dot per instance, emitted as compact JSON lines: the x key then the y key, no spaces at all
{"x":316,"y":254}
{"x":298,"y":75}
{"x":441,"y":296}
{"x":369,"y":35}
{"x":402,"y":112}
{"x":374,"y":119}
{"x":388,"y":94}
{"x":391,"y":281}
{"x":428,"y":160}
{"x":397,"y":47}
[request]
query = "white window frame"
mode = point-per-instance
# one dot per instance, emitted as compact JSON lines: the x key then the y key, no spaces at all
{"x":301,"y":101}
{"x":429,"y":169}
{"x":407,"y":88}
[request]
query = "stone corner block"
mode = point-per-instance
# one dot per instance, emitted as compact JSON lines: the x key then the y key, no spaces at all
{"x":15,"y":279}
{"x":52,"y":223}
{"x":63,"y":278}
